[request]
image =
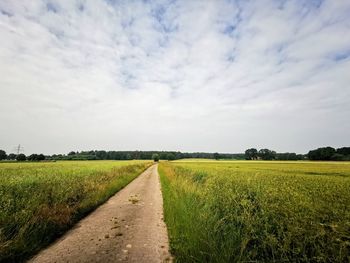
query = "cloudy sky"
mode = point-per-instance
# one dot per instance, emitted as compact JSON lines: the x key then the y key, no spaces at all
{"x":174,"y":75}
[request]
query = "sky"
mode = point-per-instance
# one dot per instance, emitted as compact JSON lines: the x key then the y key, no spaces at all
{"x":214,"y":76}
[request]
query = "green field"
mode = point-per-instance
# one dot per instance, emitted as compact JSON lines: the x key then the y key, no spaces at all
{"x":39,"y":201}
{"x":246,"y":211}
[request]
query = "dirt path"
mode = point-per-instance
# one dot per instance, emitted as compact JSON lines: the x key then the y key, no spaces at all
{"x":129,"y":227}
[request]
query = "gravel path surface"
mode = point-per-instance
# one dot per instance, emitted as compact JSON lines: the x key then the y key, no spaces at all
{"x":129,"y":227}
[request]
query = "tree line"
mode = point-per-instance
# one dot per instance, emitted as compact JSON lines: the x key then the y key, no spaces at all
{"x":330,"y":154}
{"x":119,"y":155}
{"x":21,"y":157}
{"x":321,"y":154}
{"x":140,"y":155}
{"x":267,"y":154}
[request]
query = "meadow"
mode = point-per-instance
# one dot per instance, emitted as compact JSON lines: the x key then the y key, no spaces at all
{"x":257,"y":211}
{"x":40,"y":201}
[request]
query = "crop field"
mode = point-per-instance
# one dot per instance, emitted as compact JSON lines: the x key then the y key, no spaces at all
{"x":257,"y":211}
{"x":39,"y":201}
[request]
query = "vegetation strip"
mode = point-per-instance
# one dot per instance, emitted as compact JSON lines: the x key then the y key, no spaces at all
{"x":40,"y":201}
{"x":257,"y":211}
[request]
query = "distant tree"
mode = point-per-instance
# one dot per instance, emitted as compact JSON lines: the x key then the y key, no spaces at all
{"x":251,"y":154}
{"x":21,"y":157}
{"x":162,"y":155}
{"x":267,"y":154}
{"x":343,"y":151}
{"x":155,"y":157}
{"x":327,"y":153}
{"x":178,"y":155}
{"x":322,"y":154}
{"x":292,"y":156}
{"x":313,"y":155}
{"x":301,"y":157}
{"x":32,"y":157}
{"x":71,"y":153}
{"x":91,"y":152}
{"x":36,"y":157}
{"x":286,"y":156}
{"x":11,"y":156}
{"x":3,"y":155}
{"x":337,"y":157}
{"x":346,"y":158}
{"x":101,"y":155}
{"x":90,"y":157}
{"x":170,"y":156}
{"x":216,"y":156}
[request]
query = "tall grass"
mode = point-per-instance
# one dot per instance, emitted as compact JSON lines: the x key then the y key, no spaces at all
{"x":257,"y":211}
{"x":40,"y":201}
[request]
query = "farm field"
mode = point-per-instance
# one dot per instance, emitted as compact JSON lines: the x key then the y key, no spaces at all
{"x":257,"y":211}
{"x":40,"y":201}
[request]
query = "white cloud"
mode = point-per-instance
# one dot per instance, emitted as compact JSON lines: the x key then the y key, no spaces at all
{"x":176,"y":75}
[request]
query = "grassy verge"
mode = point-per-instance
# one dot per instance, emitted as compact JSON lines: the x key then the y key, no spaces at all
{"x":40,"y":201}
{"x":257,"y":212}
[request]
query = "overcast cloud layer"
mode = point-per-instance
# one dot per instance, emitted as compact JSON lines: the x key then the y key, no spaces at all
{"x":174,"y":75}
